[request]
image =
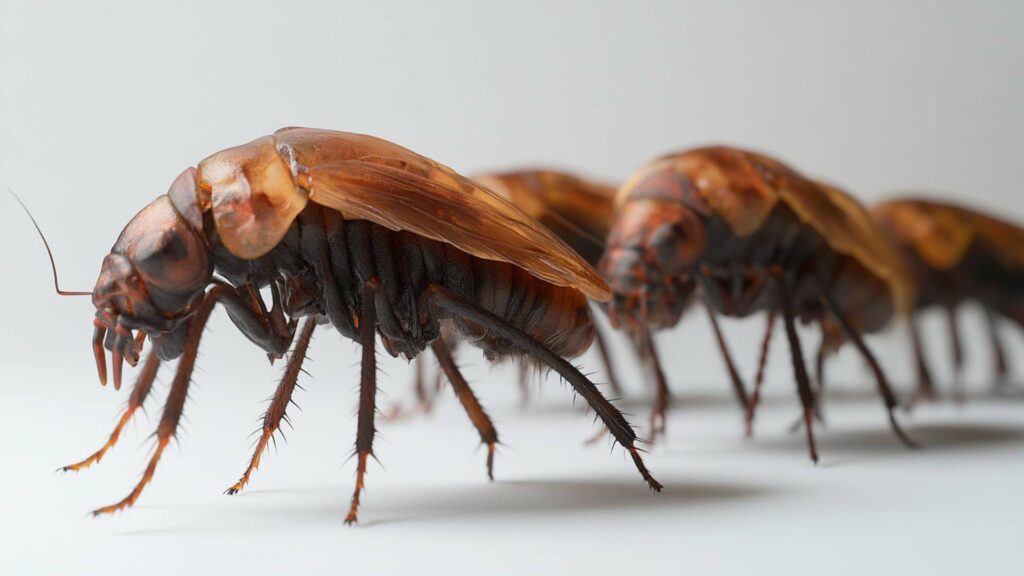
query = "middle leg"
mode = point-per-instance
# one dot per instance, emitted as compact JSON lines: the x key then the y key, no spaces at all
{"x":365,"y":427}
{"x":276,"y":412}
{"x":617,"y":424}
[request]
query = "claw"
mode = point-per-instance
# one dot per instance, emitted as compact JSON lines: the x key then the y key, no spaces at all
{"x":140,"y":340}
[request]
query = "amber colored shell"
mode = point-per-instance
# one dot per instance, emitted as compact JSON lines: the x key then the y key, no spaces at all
{"x":256,"y":190}
{"x":581,"y":207}
{"x":743,"y":187}
{"x":942,"y":233}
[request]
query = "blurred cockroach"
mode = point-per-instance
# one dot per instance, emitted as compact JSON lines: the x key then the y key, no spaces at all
{"x":580,"y":212}
{"x":347,"y":230}
{"x":754,"y":235}
{"x":957,"y":255}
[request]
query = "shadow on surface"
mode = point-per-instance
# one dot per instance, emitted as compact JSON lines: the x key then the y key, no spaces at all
{"x":533,"y":498}
{"x":553,"y":497}
{"x":932,"y":438}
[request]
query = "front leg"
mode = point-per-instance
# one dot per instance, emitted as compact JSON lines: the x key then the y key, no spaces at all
{"x":271,"y":330}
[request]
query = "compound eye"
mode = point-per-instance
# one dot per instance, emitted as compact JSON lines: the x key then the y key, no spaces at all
{"x":173,"y":261}
{"x":677,"y":245}
{"x":169,"y":255}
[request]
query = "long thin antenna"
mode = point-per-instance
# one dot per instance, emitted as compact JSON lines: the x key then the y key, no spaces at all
{"x":53,"y":265}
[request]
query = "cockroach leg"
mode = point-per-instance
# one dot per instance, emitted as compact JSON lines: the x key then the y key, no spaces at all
{"x":365,"y":429}
{"x":524,"y":381}
{"x":423,"y":396}
{"x":957,"y":348}
{"x":175,"y":400}
{"x":662,"y":397}
{"x":1000,"y":366}
{"x":738,"y":388}
{"x":606,"y":411}
{"x":606,"y":360}
{"x":276,"y":412}
{"x":762,"y":361}
{"x":824,"y":348}
{"x":481,"y":421}
{"x":925,"y":387}
{"x":803,"y":382}
{"x":883,"y":382}
{"x":267,"y":329}
{"x":143,"y":385}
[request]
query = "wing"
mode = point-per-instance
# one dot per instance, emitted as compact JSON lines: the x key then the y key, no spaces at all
{"x":941,"y":233}
{"x":578,"y":211}
{"x":726,"y":181}
{"x":443,"y":206}
{"x":849,"y":228}
{"x":938,"y":236}
{"x":743,"y":187}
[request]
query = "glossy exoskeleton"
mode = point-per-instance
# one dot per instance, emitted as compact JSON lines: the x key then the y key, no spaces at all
{"x":345,"y":230}
{"x":957,"y":255}
{"x":754,"y":236}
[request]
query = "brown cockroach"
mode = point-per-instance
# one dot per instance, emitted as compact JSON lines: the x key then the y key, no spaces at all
{"x":352,"y":231}
{"x":957,"y":255}
{"x":754,"y":235}
{"x":581,"y":214}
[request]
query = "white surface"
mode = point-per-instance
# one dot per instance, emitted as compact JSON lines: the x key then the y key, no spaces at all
{"x":729,"y":506}
{"x":103,"y":103}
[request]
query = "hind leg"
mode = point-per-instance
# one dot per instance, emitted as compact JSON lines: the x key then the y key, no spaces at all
{"x":888,"y":397}
{"x":617,"y":424}
{"x":481,"y":421}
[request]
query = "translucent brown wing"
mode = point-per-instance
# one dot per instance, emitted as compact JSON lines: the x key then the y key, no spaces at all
{"x":452,"y":209}
{"x":942,"y":233}
{"x":853,"y":231}
{"x":252,"y":192}
{"x":743,"y":187}
{"x":578,"y":211}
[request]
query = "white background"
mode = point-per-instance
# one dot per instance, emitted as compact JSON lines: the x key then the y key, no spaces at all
{"x":102,"y":104}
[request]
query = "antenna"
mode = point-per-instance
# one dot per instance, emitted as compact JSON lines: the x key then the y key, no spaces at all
{"x":53,"y":265}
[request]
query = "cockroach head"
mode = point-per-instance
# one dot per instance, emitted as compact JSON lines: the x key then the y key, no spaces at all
{"x":651,"y":252}
{"x":152,"y":280}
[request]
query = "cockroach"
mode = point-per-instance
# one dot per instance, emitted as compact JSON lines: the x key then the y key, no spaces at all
{"x":346,"y":230}
{"x":957,"y":255}
{"x":575,"y":209}
{"x":753,"y":235}
{"x":580,"y":212}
